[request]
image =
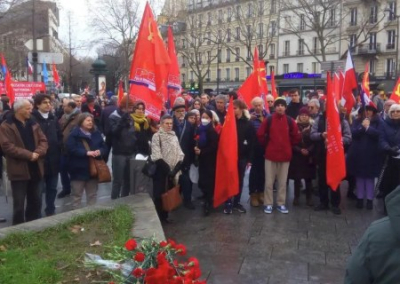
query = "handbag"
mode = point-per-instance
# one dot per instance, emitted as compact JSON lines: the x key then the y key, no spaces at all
{"x":150,"y":167}
{"x":171,"y":199}
{"x":97,"y":167}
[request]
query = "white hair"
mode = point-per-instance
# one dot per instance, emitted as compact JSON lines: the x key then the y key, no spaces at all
{"x":393,"y":108}
{"x":269,"y":97}
{"x":215,"y":117}
{"x":316,"y":102}
{"x":20,"y":103}
{"x":256,"y":100}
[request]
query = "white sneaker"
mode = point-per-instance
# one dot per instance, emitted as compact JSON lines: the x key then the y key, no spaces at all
{"x":282,"y":209}
{"x":268,"y":209}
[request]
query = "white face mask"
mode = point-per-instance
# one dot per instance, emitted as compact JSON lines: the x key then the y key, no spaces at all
{"x":205,"y":121}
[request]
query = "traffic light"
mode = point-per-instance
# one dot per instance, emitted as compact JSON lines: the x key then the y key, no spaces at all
{"x":34,"y":57}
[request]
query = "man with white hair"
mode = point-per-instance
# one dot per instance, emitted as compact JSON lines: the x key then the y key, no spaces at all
{"x":313,"y":108}
{"x":24,"y":145}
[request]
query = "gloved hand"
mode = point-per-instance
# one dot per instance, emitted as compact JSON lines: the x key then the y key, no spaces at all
{"x":177,"y":168}
{"x":394,"y":151}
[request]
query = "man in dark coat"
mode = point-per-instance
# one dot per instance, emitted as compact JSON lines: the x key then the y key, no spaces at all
{"x":220,"y":108}
{"x":94,"y":109}
{"x":24,"y":146}
{"x":49,"y":125}
{"x":185,"y":133}
{"x":295,"y":104}
{"x":376,"y":259}
{"x":105,"y":124}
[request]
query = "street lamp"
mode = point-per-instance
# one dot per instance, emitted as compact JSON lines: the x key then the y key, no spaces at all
{"x":394,"y":15}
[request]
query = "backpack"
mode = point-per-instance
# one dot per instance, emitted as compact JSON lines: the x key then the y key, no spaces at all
{"x":269,"y":123}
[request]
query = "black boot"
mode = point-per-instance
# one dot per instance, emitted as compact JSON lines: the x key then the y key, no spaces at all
{"x":370,"y":205}
{"x":64,"y":193}
{"x":206,"y":208}
{"x":360,"y":203}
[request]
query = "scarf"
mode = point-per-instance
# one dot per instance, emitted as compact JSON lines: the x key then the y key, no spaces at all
{"x":67,"y":116}
{"x":140,"y":119}
{"x":203,"y":134}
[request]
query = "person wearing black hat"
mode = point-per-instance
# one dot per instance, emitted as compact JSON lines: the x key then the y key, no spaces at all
{"x":185,"y":133}
{"x":364,"y":159}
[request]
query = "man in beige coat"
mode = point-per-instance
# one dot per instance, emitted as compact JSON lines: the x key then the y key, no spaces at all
{"x":24,"y":145}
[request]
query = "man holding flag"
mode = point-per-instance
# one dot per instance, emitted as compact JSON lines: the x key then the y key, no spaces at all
{"x":330,"y":132}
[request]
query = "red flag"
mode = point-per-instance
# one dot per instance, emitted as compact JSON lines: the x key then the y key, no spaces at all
{"x":396,"y":92}
{"x":55,"y":75}
{"x":120,"y":91}
{"x":335,"y":160}
{"x":336,"y":87}
{"x":227,"y":176}
{"x":341,"y":81}
{"x":249,"y":89}
{"x":7,"y":80}
{"x":350,"y":83}
{"x":174,"y":81}
{"x":150,"y":66}
{"x":365,"y":81}
{"x":273,"y":86}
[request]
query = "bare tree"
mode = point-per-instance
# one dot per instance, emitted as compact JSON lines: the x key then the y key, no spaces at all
{"x":117,"y":23}
{"x":198,"y":48}
{"x":248,"y":25}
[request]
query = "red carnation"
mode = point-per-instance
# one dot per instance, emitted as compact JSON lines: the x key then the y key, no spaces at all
{"x":138,"y":272}
{"x":156,"y":276}
{"x":140,"y":256}
{"x":130,"y":244}
{"x":193,"y":262}
{"x":163,"y":244}
{"x":172,"y":243}
{"x":180,"y":249}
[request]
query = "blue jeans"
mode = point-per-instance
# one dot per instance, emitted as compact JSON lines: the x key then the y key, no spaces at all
{"x":49,"y":187}
{"x":65,"y":180}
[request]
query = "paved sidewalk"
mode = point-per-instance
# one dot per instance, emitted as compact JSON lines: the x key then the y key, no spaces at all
{"x":301,"y":247}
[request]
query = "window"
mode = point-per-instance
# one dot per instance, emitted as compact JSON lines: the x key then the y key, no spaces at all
{"x":237,"y":53}
{"x":238,"y":8}
{"x":191,"y":75}
{"x":219,"y":35}
{"x":248,"y":71}
{"x":208,"y":74}
{"x":390,"y":66}
{"x":260,"y":50}
{"x":372,"y":65}
{"x":285,"y":68}
{"x":391,"y":39}
{"x":392,"y":11}
{"x":261,"y":7}
{"x":237,"y":37}
{"x":228,"y":35}
{"x":302,"y":26}
{"x":353,"y":16}
{"x":273,"y":28}
{"x":219,"y":74}
{"x":220,"y":16}
{"x":209,"y":18}
{"x":228,"y":55}
{"x":200,"y":20}
{"x":301,"y":47}
{"x":315,"y":67}
{"x":315,"y":45}
{"x":372,"y":41}
{"x":287,"y":48}
{"x":228,"y":74}
{"x":332,"y":17}
{"x":183,"y":77}
{"x":237,"y":74}
{"x":300,"y":67}
{"x":273,"y":6}
{"x":183,"y":43}
{"x":373,"y":16}
{"x":219,"y":53}
{"x":353,"y":40}
{"x":209,"y":56}
{"x":208,"y":38}
{"x":229,"y":14}
{"x":288,"y":20}
{"x":249,"y":10}
{"x":260,"y":30}
{"x":248,"y":31}
{"x":271,"y":69}
{"x":272,"y":51}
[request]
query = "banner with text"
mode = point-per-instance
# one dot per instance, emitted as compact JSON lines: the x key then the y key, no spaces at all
{"x":24,"y":90}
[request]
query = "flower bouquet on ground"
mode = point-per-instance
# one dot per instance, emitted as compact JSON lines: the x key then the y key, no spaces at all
{"x":150,"y":262}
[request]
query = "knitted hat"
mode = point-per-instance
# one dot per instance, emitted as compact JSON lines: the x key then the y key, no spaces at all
{"x":304,"y":110}
{"x":280,"y":101}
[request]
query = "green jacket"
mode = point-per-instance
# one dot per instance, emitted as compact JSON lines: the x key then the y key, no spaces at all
{"x":377,"y":257}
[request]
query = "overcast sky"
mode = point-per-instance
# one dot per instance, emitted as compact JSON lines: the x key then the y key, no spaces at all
{"x":81,"y":32}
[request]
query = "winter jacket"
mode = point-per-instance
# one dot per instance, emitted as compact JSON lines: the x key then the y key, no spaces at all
{"x":186,"y":141}
{"x":303,"y":167}
{"x":104,"y":118}
{"x":281,"y":138}
{"x":389,"y":137}
{"x":364,"y":158}
{"x":67,"y":123}
{"x":123,"y":133}
{"x":221,"y":116}
{"x":17,"y":156}
{"x":293,"y":109}
{"x":208,"y":160}
{"x":96,"y":114}
{"x":165,"y":147}
{"x":245,"y":137}
{"x":78,"y":161}
{"x":51,"y":129}
{"x":376,"y":258}
{"x":318,"y":128}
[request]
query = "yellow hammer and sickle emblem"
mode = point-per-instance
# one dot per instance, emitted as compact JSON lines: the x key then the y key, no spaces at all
{"x":151,"y":32}
{"x":398,"y":90}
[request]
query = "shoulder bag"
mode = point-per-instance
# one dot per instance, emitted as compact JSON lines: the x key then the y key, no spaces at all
{"x":97,"y":167}
{"x":150,"y":167}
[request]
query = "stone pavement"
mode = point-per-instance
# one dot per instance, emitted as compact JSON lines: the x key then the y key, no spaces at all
{"x":301,"y":247}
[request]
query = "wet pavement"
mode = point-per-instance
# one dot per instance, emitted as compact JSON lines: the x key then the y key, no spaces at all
{"x":301,"y":247}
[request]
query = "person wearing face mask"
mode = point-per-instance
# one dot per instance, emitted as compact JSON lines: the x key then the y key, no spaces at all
{"x":363,"y":157}
{"x":185,"y":133}
{"x":122,"y":131}
{"x":207,"y":152}
{"x":389,"y":143}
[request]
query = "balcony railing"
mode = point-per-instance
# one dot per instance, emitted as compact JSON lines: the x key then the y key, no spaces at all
{"x":389,"y":75}
{"x":272,"y":56}
{"x":286,"y":53}
{"x":300,"y":52}
{"x":228,"y":60}
{"x":369,"y":48}
{"x":390,"y":46}
{"x":237,"y":59}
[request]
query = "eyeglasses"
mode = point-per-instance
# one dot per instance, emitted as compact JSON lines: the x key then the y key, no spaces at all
{"x":396,"y":111}
{"x":310,"y":107}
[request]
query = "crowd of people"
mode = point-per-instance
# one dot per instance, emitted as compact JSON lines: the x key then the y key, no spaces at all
{"x":279,"y":140}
